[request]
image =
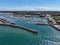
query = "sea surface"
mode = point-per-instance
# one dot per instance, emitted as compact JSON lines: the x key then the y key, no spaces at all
{"x":47,"y":35}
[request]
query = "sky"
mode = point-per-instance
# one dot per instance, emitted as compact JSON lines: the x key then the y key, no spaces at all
{"x":30,"y":5}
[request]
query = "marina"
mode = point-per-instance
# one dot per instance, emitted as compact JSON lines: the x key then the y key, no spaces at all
{"x":29,"y":22}
{"x":23,"y":32}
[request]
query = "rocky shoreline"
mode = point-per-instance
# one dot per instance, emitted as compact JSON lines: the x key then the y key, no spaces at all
{"x":3,"y":21}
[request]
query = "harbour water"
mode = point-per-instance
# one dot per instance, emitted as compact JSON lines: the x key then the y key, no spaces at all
{"x":47,"y":35}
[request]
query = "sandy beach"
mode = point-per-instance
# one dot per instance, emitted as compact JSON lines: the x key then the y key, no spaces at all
{"x":57,"y":26}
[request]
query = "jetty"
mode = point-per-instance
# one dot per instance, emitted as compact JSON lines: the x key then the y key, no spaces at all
{"x":6,"y":23}
{"x":15,"y":26}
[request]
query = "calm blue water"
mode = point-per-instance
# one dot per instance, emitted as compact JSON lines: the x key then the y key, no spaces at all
{"x":14,"y":36}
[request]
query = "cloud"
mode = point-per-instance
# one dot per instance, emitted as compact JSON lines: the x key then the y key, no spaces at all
{"x":26,"y":8}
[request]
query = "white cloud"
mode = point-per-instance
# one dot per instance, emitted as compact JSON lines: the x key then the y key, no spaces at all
{"x":26,"y":8}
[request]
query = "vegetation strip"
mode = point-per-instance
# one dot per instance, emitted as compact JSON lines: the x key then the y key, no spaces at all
{"x":32,"y":31}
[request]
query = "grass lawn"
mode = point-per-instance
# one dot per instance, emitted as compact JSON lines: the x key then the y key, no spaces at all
{"x":56,"y":18}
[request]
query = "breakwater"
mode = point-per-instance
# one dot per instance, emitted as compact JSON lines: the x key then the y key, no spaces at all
{"x":15,"y":26}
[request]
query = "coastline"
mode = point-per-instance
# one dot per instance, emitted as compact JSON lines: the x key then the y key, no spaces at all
{"x":57,"y":26}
